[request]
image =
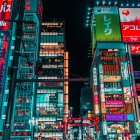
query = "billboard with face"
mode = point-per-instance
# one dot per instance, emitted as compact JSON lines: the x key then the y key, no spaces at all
{"x":107,"y":27}
{"x":5,"y":13}
{"x":130,"y":24}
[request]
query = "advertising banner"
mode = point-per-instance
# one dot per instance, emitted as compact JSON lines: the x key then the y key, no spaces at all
{"x":5,"y":13}
{"x":120,"y":117}
{"x":96,"y":99}
{"x":135,"y":48}
{"x":96,"y":109}
{"x":95,"y":76}
{"x":138,"y":86}
{"x":112,"y":103}
{"x":130,"y":24}
{"x":124,"y":70}
{"x":113,"y":90}
{"x":112,"y":78}
{"x":107,"y":24}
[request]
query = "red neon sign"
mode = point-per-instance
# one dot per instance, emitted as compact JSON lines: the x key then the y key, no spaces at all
{"x":5,"y":13}
{"x":135,"y":48}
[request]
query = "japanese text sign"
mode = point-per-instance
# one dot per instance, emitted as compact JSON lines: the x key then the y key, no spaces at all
{"x":5,"y":12}
{"x":135,"y":48}
{"x":130,"y":24}
{"x":107,"y":24}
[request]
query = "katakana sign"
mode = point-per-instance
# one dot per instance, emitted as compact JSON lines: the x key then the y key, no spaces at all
{"x":130,"y":24}
{"x":107,"y":24}
{"x":5,"y":12}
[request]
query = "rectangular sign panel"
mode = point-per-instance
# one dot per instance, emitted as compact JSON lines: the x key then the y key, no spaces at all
{"x":113,"y":90}
{"x":112,"y":78}
{"x":107,"y":26}
{"x":113,"y":103}
{"x":120,"y":117}
{"x":135,"y":48}
{"x":130,"y":24}
{"x":5,"y":13}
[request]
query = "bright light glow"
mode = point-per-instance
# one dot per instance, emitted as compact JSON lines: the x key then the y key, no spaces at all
{"x":89,"y":9}
{"x":88,"y":17}
{"x":97,"y":2}
{"x":87,"y":21}
{"x":88,"y":13}
{"x":133,"y":4}
{"x":2,"y":34}
{"x":127,"y":4}
{"x":115,"y":2}
{"x":138,"y":4}
{"x":86,"y":25}
{"x":121,"y":4}
{"x":103,"y":2}
{"x":109,"y":2}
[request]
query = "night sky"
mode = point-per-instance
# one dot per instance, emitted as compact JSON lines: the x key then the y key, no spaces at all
{"x":77,"y":41}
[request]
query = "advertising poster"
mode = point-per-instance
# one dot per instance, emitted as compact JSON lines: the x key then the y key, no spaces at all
{"x":119,"y":117}
{"x":135,"y":48}
{"x":113,"y":90}
{"x":130,"y":24}
{"x":5,"y":13}
{"x":113,"y":103}
{"x":107,"y":24}
{"x":112,"y":78}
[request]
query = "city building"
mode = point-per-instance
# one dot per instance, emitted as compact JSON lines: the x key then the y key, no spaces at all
{"x":114,"y":71}
{"x":22,"y":41}
{"x":52,"y":96}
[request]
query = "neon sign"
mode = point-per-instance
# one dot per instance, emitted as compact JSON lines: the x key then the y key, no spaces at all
{"x":135,"y":48}
{"x":5,"y":13}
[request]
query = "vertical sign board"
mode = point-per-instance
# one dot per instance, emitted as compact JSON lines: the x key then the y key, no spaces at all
{"x":135,"y":48}
{"x":5,"y":13}
{"x":130,"y":24}
{"x":126,"y":82}
{"x":107,"y":24}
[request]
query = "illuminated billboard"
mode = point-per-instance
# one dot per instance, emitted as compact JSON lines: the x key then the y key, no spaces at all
{"x":119,"y":117}
{"x":130,"y":24}
{"x":107,"y":26}
{"x":5,"y":13}
{"x":135,"y":48}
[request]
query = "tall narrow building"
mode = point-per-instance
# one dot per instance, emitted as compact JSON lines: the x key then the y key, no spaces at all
{"x":52,"y":94}
{"x":17,"y":106}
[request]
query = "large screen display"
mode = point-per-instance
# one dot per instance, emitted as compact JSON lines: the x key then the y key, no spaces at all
{"x":5,"y":12}
{"x":107,"y":26}
{"x":130,"y":24}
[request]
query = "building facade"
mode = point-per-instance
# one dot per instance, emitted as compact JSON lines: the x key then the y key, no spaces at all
{"x":113,"y":68}
{"x":17,"y":102}
{"x":52,"y":96}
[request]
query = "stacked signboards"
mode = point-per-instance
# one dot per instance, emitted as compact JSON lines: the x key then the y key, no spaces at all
{"x":113,"y":85}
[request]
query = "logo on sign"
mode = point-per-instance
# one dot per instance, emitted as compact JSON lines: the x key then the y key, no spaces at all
{"x":126,"y":12}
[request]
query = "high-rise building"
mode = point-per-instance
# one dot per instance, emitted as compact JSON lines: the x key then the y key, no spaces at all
{"x":17,"y":102}
{"x":52,"y":95}
{"x":115,"y":34}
